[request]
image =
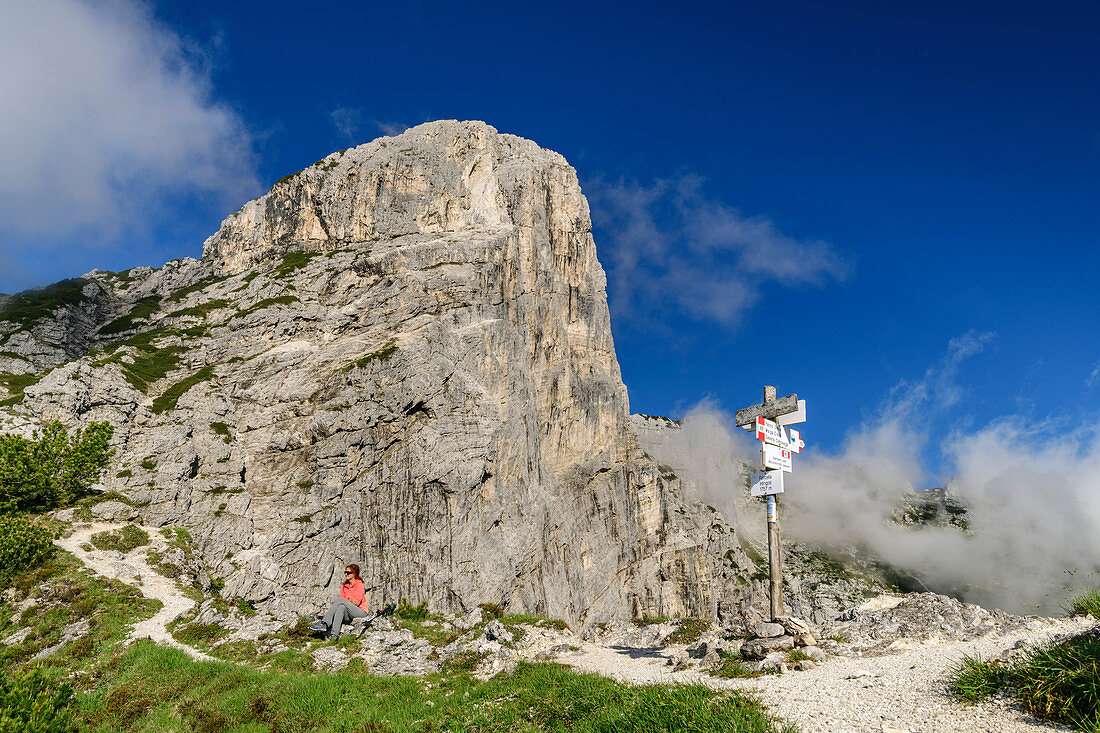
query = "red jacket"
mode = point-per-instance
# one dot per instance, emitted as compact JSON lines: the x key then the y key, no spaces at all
{"x":353,"y":591}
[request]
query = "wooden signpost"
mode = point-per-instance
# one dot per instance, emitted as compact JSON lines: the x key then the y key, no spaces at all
{"x":777,"y":445}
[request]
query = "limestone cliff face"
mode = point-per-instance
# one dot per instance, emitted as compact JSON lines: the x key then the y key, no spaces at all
{"x":399,"y":357}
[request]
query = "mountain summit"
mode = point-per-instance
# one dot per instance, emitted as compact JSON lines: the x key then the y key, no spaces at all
{"x":400,"y":357}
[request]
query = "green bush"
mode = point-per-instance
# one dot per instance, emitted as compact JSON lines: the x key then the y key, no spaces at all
{"x":23,"y":544}
{"x":51,"y":469}
{"x":412,"y":613}
{"x":31,"y":703}
{"x":123,"y":540}
{"x":1059,"y":682}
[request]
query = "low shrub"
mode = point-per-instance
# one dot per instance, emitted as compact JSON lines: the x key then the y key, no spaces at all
{"x":32,"y":703}
{"x":52,"y":468}
{"x":1086,"y":604}
{"x":1058,"y":682}
{"x":491,"y":610}
{"x":690,"y":630}
{"x":412,"y":613}
{"x":123,"y":540}
{"x":23,"y":544}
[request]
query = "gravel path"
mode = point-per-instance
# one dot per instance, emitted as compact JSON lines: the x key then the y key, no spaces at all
{"x":882,"y":694}
{"x":892,"y":693}
{"x":133,"y":569}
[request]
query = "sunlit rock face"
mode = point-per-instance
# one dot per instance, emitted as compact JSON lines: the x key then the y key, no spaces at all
{"x":399,"y":357}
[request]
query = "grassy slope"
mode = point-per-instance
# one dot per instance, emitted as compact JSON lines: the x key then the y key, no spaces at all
{"x":144,"y":687}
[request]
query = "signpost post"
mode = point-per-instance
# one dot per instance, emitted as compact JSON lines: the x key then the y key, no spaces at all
{"x":777,"y":444}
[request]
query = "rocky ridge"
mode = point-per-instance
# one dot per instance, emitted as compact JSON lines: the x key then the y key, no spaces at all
{"x":401,"y":357}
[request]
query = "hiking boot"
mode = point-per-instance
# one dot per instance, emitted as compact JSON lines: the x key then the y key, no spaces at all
{"x":320,"y":627}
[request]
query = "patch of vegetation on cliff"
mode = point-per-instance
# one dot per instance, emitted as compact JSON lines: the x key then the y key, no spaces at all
{"x":171,"y":396}
{"x":202,"y":284}
{"x":28,"y":307}
{"x":294,"y":261}
{"x":265,"y":303}
{"x":382,"y":354}
{"x":15,"y":384}
{"x":141,"y":310}
{"x":123,"y":540}
{"x":202,"y":310}
{"x":150,"y":361}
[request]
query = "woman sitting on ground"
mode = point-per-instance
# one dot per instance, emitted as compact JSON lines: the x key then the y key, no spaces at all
{"x":352,"y":603}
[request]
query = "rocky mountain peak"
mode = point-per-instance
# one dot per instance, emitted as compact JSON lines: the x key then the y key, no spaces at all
{"x":444,"y":176}
{"x":399,"y":357}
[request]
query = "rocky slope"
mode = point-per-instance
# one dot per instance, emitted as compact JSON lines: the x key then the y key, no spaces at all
{"x":400,"y":357}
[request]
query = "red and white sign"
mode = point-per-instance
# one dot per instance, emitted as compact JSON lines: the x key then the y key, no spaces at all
{"x":772,"y":456}
{"x":776,"y":434}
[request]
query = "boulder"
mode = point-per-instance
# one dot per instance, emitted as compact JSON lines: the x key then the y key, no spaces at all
{"x":766,"y":630}
{"x":761,"y":648}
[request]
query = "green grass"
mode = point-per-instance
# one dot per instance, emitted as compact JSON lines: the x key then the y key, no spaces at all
{"x":222,"y":429}
{"x":294,"y":261}
{"x":382,"y":354}
{"x":15,"y":384}
{"x":266,"y":303}
{"x":171,"y":396}
{"x":142,"y":309}
{"x":123,"y":540}
{"x":183,"y":292}
{"x":151,"y":362}
{"x":156,"y":688}
{"x":734,"y":667}
{"x":202,"y":310}
{"x":690,"y":630}
{"x":1086,"y":604}
{"x":28,"y":307}
{"x":1057,"y":682}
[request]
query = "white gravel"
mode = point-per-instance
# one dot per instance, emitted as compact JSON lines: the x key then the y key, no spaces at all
{"x":133,"y":569}
{"x":883,"y":694}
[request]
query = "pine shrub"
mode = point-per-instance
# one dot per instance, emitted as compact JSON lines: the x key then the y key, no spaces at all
{"x":31,"y":703}
{"x":23,"y":544}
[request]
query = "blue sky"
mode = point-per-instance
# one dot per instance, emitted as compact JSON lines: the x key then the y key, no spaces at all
{"x":828,"y":198}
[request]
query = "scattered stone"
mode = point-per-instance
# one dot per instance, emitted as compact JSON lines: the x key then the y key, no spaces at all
{"x":860,"y":674}
{"x":495,"y":631}
{"x":761,"y":648}
{"x":806,"y":640}
{"x":767,"y":630}
{"x":114,"y":511}
{"x":469,"y":621}
{"x":18,"y":637}
{"x":815,"y":653}
{"x":804,"y":665}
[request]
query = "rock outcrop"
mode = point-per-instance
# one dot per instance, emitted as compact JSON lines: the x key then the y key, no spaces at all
{"x":399,"y":357}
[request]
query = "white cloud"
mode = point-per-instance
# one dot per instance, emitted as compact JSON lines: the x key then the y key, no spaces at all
{"x":1094,"y":375}
{"x":348,"y":121}
{"x":105,"y":111}
{"x":1031,"y":490}
{"x":671,"y":245}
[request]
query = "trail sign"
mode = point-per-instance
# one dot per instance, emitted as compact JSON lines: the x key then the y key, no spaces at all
{"x":772,"y":456}
{"x":767,"y":483}
{"x":793,"y":418}
{"x":771,"y":408}
{"x":769,"y":418}
{"x":776,"y":434}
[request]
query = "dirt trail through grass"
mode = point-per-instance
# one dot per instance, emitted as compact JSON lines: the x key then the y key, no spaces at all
{"x":133,"y":569}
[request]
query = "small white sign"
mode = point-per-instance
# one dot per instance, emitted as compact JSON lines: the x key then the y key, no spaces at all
{"x":772,"y":456}
{"x":776,"y":434}
{"x":793,"y":418}
{"x":767,"y":483}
